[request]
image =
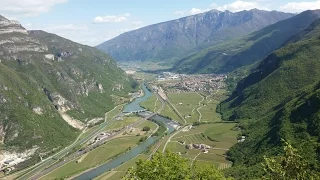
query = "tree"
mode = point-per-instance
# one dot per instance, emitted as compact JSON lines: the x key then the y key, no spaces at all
{"x":291,"y":166}
{"x":171,"y":166}
{"x":146,"y":128}
{"x":207,"y":172}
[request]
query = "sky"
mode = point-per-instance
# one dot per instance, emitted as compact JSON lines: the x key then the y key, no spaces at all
{"x":92,"y":22}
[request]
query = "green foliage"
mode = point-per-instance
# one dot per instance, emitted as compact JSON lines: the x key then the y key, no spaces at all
{"x":279,"y":100}
{"x":146,"y":128}
{"x":161,"y":130}
{"x":288,"y":167}
{"x":75,"y":77}
{"x":171,"y":166}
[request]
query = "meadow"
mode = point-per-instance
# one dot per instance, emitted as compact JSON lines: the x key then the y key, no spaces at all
{"x":186,"y":103}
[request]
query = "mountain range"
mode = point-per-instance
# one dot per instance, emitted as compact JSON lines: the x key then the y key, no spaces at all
{"x":230,"y":55}
{"x":169,"y":41}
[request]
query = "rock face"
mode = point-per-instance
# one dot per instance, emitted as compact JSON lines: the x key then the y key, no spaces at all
{"x":49,"y":86}
{"x":173,"y":39}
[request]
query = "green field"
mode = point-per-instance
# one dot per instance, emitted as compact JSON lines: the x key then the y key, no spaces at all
{"x":111,"y":114}
{"x":217,"y":135}
{"x":152,"y":103}
{"x":94,"y":158}
{"x":148,"y":123}
{"x":118,"y":124}
{"x":198,"y":138}
{"x":208,"y":111}
{"x":168,"y":112}
{"x":186,"y":104}
{"x":223,"y":134}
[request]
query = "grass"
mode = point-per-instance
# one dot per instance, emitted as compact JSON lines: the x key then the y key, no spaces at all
{"x":190,"y":101}
{"x":111,"y":114}
{"x":118,"y":124}
{"x":94,"y":158}
{"x":217,"y":135}
{"x":223,"y":134}
{"x":168,"y":112}
{"x":150,"y":124}
{"x":152,"y":103}
{"x":208,"y":111}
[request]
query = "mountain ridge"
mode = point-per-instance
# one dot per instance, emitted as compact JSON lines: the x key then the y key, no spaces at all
{"x":167,"y":41}
{"x":233,"y":54}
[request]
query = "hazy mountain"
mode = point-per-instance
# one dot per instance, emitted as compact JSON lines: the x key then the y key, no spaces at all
{"x":173,"y":39}
{"x":278,"y":100}
{"x":43,"y":78}
{"x":228,"y":56}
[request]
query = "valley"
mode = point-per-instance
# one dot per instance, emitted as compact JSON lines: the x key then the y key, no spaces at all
{"x":193,"y":116}
{"x":231,"y":93}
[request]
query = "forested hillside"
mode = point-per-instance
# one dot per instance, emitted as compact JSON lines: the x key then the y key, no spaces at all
{"x":278,"y":100}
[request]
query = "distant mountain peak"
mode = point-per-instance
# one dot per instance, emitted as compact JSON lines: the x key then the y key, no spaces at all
{"x":171,"y":40}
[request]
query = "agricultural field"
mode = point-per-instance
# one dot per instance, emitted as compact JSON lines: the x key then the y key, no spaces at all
{"x":168,"y":112}
{"x":186,"y":104}
{"x":114,"y":112}
{"x":220,"y":136}
{"x":118,"y":124}
{"x":152,"y":103}
{"x":208,"y":111}
{"x":94,"y":158}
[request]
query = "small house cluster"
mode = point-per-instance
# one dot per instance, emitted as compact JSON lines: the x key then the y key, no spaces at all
{"x":203,"y":147}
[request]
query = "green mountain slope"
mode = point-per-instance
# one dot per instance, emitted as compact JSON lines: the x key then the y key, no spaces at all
{"x":233,"y":54}
{"x":169,"y":41}
{"x":43,"y":78}
{"x":279,"y":99}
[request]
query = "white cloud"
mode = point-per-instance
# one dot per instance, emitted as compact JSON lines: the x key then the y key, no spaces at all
{"x":239,"y":5}
{"x":24,"y":8}
{"x":197,"y":11}
{"x":111,"y":18}
{"x":300,"y":6}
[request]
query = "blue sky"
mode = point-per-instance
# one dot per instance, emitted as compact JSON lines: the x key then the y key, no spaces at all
{"x":94,"y":21}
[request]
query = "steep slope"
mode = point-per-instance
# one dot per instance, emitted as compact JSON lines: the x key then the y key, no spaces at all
{"x":45,"y":82}
{"x":233,"y":54}
{"x":170,"y":40}
{"x":279,"y":99}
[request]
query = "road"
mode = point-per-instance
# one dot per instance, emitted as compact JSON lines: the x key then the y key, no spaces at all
{"x":32,"y":171}
{"x":198,"y":109}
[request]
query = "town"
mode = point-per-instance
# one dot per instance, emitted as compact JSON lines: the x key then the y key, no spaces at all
{"x":176,"y":83}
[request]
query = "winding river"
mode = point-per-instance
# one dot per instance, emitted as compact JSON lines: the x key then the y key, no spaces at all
{"x":133,"y":106}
